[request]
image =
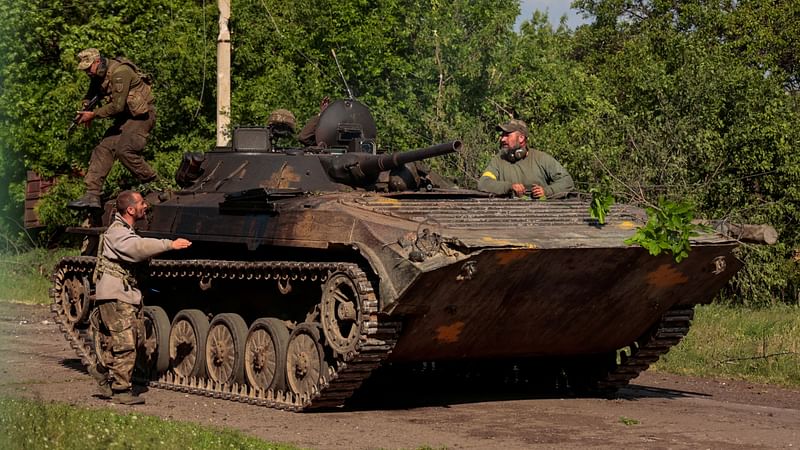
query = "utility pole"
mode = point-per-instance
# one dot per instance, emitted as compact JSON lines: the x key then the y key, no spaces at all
{"x":223,"y":74}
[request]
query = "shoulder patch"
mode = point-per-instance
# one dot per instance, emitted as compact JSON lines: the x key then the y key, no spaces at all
{"x":488,"y":174}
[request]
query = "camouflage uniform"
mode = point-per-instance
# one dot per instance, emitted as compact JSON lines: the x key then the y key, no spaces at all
{"x":129,"y":100}
{"x":118,"y":294}
{"x":122,"y":320}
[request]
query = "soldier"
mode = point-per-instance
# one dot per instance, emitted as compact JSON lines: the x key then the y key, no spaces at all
{"x":118,"y":296}
{"x":516,"y":167}
{"x":129,"y":100}
{"x":281,"y":124}
{"x":308,"y":135}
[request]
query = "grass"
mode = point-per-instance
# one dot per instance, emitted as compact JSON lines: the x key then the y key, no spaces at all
{"x":627,"y":421}
{"x":25,"y":277}
{"x":760,"y":346}
{"x":29,"y":424}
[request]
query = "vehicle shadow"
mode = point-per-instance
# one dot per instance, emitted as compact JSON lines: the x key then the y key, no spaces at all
{"x":404,"y":389}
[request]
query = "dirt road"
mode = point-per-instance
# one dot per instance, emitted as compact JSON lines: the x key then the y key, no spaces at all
{"x":657,"y":411}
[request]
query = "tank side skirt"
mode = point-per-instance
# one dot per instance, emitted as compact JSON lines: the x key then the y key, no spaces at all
{"x":377,"y":339}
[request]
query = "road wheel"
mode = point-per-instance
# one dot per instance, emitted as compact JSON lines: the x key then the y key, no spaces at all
{"x":187,"y":343}
{"x":265,"y":354}
{"x":305,"y":364}
{"x":225,"y":348}
{"x":154,"y":356}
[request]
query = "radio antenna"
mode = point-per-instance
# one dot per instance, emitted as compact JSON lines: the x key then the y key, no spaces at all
{"x":341,"y":74}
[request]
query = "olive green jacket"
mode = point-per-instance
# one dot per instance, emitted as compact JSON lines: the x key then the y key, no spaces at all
{"x":121,"y":245}
{"x":122,"y":90}
{"x":536,"y":168}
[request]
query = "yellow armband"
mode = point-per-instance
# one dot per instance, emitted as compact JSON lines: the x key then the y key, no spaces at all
{"x":489,"y":175}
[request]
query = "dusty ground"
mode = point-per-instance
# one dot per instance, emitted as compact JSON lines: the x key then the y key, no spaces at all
{"x":671,"y":411}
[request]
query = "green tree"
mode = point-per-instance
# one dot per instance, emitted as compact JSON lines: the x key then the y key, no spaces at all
{"x":704,"y":116}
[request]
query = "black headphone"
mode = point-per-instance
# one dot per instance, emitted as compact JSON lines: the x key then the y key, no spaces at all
{"x":516,"y":154}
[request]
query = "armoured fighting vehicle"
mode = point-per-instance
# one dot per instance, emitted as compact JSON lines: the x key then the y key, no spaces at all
{"x":312,"y":267}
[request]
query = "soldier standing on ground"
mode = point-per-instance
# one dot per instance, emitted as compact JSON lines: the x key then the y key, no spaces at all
{"x":129,"y":100}
{"x":516,"y":167}
{"x":118,"y":296}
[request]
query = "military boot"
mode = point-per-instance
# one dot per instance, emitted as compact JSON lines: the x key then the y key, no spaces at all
{"x":89,"y":200}
{"x":126,"y":398}
{"x":103,"y":382}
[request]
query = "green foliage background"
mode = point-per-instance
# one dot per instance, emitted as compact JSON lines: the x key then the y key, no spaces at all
{"x":694,"y":101}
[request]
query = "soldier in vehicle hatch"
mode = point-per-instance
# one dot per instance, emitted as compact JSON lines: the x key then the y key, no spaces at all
{"x":517,"y":169}
{"x":281,"y":124}
{"x":308,"y":136}
{"x":118,"y":296}
{"x":129,"y":101}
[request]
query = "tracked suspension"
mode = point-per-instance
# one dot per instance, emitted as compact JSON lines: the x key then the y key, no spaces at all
{"x":340,"y":379}
{"x":378,"y":335}
{"x":638,"y":357}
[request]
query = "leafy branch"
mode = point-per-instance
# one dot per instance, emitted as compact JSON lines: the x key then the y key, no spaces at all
{"x":669,"y":228}
{"x":600,"y":205}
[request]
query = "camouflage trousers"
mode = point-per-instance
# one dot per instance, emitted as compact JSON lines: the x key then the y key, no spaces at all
{"x":124,"y":141}
{"x":123,"y":321}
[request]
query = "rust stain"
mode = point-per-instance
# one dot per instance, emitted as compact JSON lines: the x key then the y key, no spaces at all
{"x":386,"y":201}
{"x":448,"y":334}
{"x":502,"y":242}
{"x":301,"y":227}
{"x":666,"y":276}
{"x":509,"y":257}
{"x":282,"y":179}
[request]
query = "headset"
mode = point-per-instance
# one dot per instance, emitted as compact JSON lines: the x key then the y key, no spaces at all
{"x":517,"y":154}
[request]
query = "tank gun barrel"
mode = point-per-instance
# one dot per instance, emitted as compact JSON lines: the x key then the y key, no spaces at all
{"x":395,"y":160}
{"x":360,"y":169}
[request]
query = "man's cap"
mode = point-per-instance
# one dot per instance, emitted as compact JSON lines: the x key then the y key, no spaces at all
{"x":514,"y":125}
{"x":282,"y":116}
{"x":87,"y":57}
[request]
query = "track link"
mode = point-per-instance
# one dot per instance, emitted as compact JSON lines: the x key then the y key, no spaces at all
{"x":669,"y":331}
{"x":377,"y":339}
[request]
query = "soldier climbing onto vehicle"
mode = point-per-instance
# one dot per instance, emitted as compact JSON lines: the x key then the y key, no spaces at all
{"x":129,"y":101}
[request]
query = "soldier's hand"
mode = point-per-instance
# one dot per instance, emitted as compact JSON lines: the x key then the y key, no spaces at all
{"x":537,"y":191}
{"x":181,"y":243}
{"x":85,"y":118}
{"x":518,"y":189}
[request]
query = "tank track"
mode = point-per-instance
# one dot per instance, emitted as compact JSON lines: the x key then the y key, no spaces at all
{"x":667,"y":333}
{"x":377,"y":339}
